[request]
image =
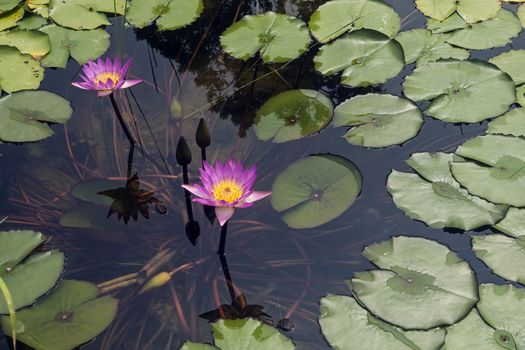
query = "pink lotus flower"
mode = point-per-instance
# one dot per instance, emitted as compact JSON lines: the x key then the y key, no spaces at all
{"x":226,"y":187}
{"x":105,"y":77}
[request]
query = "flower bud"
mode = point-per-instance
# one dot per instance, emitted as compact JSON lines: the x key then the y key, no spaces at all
{"x":203,"y":134}
{"x":156,"y":281}
{"x":183,"y":153}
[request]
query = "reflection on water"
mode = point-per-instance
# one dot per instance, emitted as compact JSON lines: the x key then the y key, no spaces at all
{"x":283,"y":270}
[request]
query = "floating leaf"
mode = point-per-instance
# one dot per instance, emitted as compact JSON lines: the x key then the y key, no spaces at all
{"x":197,"y":346}
{"x":169,"y":14}
{"x":277,"y":37}
{"x":449,"y":24}
{"x":421,"y":284}
{"x":378,"y":120}
{"x":495,"y":32}
{"x":461,"y":91}
{"x":24,"y":115}
{"x":315,"y":190}
{"x":82,"y":45}
{"x":471,"y":10}
{"x":365,"y":57}
{"x":88,"y":216}
{"x":292,"y":115}
{"x":335,"y":18}
{"x":18,"y":72}
{"x":76,"y":14}
{"x":436,"y":198}
{"x":10,"y":19}
{"x":521,"y":14}
{"x":16,"y":245}
{"x":511,"y":123}
{"x":32,"y":22}
{"x":520,"y":95}
{"x":511,"y":62}
{"x":345,"y":323}
{"x":71,"y":315}
{"x":513,"y":224}
{"x":38,"y":7}
{"x":504,"y":255}
{"x":421,"y":46}
{"x":88,"y":190}
{"x":498,"y":175}
{"x":8,"y":5}
{"x":30,"y":42}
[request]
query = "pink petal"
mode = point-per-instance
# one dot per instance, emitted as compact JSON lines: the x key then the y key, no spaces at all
{"x":204,"y":201}
{"x":224,"y":214}
{"x":256,"y":195}
{"x":130,"y":83}
{"x":196,"y":190}
{"x":84,"y":86}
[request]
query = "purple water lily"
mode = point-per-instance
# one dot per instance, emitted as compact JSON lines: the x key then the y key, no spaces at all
{"x":226,"y":187}
{"x":105,"y":76}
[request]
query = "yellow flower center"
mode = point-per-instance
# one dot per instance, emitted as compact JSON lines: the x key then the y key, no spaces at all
{"x":228,"y":191}
{"x":105,"y":76}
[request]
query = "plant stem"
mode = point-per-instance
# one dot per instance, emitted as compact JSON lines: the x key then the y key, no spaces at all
{"x":222,"y":243}
{"x":128,"y":133}
{"x":228,"y":277}
{"x":203,"y":154}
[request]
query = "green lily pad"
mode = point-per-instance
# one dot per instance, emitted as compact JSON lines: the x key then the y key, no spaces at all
{"x":82,"y":45}
{"x":511,"y":123}
{"x":365,"y":57}
{"x":292,"y":115}
{"x":335,"y":18}
{"x":504,"y":255}
{"x":30,"y":42}
{"x":521,"y":15}
{"x":449,"y":24}
{"x":511,"y":62}
{"x":168,"y":14}
{"x":520,"y":95}
{"x":436,"y":198}
{"x":501,"y":307}
{"x":345,"y":323}
{"x":276,"y":37}
{"x":24,"y":115}
{"x":31,"y":22}
{"x":16,"y":245}
{"x":8,"y":5}
{"x":71,"y":315}
{"x":11,"y":18}
{"x":421,"y":46}
{"x":513,"y":224}
{"x":498,"y":175}
{"x":494,"y":32}
{"x":421,"y":284}
{"x":88,"y":190}
{"x":461,"y":91}
{"x":197,"y":346}
{"x":18,"y":71}
{"x":471,"y":10}
{"x":76,"y":14}
{"x":378,"y":120}
{"x":315,"y":190}
{"x":39,"y":7}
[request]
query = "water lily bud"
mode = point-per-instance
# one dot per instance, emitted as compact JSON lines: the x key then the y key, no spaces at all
{"x":176,"y":108}
{"x":183,"y":152}
{"x":156,"y":281}
{"x":203,"y":135}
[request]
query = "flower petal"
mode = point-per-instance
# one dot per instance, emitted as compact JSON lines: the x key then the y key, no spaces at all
{"x":104,"y":93}
{"x":224,"y":214}
{"x":83,"y":85}
{"x":195,"y":190}
{"x":256,"y":195}
{"x":203,"y":201}
{"x":130,"y":83}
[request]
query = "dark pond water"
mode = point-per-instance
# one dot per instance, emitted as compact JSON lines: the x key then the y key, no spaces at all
{"x":286,"y":271}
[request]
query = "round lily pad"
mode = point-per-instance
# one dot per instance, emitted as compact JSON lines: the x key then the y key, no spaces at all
{"x":498,"y":175}
{"x":520,"y":95}
{"x":31,"y":22}
{"x":449,"y":24}
{"x":24,"y":115}
{"x":461,"y":91}
{"x":436,"y":198}
{"x":88,"y":190}
{"x":197,"y":346}
{"x":10,"y":19}
{"x":276,"y":37}
{"x":471,"y":10}
{"x":345,"y":323}
{"x":511,"y":62}
{"x":378,"y":120}
{"x":30,"y":42}
{"x":168,"y":14}
{"x":512,"y":224}
{"x":366,"y":57}
{"x":511,"y":123}
{"x":88,"y":216}
{"x":8,"y":5}
{"x":38,"y":7}
{"x":494,"y":32}
{"x":76,"y":14}
{"x":16,"y":245}
{"x":421,"y":284}
{"x":315,"y":190}
{"x":81,"y":45}
{"x":292,"y":115}
{"x":421,"y":46}
{"x":71,"y":315}
{"x":521,"y":14}
{"x":18,"y":71}
{"x":504,"y":255}
{"x":335,"y":18}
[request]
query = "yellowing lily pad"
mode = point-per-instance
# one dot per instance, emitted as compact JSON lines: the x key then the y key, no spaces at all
{"x":30,"y":42}
{"x":10,"y":19}
{"x":18,"y":71}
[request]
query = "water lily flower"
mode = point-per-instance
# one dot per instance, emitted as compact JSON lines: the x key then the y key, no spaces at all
{"x":226,"y":187}
{"x":105,"y":76}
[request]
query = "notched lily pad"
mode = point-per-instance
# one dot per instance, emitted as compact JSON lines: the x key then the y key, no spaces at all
{"x":511,"y":123}
{"x":292,"y":115}
{"x":168,"y":14}
{"x":513,"y":224}
{"x":449,"y":24}
{"x":511,"y":62}
{"x":30,"y":42}
{"x":10,"y":19}
{"x":470,"y":10}
{"x":18,"y":71}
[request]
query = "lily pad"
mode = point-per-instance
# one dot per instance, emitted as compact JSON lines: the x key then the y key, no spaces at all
{"x":11,"y":18}
{"x":24,"y":115}
{"x":436,"y":198}
{"x":197,"y":346}
{"x":88,"y":216}
{"x":88,"y":190}
{"x":31,"y":22}
{"x":30,"y":42}
{"x":316,"y":190}
{"x":81,"y":45}
{"x":421,"y":46}
{"x":8,"y":5}
{"x":335,"y":18}
{"x":471,"y":10}
{"x":38,"y":7}
{"x":365,"y":57}
{"x":511,"y":62}
{"x":494,"y":32}
{"x":16,"y":245}
{"x":378,"y":120}
{"x":511,"y":123}
{"x":71,"y":315}
{"x":461,"y":91}
{"x":421,"y":284}
{"x":345,"y":323}
{"x":18,"y":71}
{"x":513,"y":224}
{"x":168,"y":14}
{"x":449,"y":24}
{"x":520,"y":95}
{"x":498,"y":175}
{"x":76,"y":14}
{"x":521,"y":15}
{"x":504,"y":255}
{"x":276,"y":37}
{"x":292,"y":115}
